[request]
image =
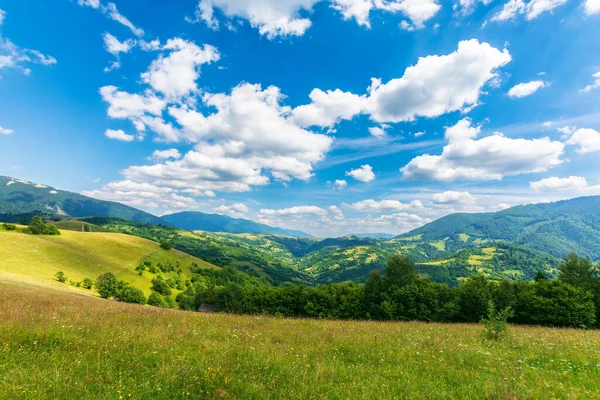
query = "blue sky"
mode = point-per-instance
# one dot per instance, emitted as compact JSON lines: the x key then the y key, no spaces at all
{"x":330,"y":116}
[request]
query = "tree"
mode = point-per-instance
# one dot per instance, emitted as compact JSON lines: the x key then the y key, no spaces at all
{"x":475,"y":294}
{"x":580,"y":272}
{"x":540,"y":276}
{"x":155,"y":299}
{"x":160,"y":286}
{"x":554,"y":303}
{"x":37,"y":226}
{"x":166,"y":245}
{"x":130,"y":294}
{"x":107,"y":285}
{"x":62,"y":278}
{"x":87,"y":283}
{"x":400,"y":271}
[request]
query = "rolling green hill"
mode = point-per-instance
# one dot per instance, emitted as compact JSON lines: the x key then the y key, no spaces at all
{"x":315,"y":261}
{"x":554,"y":228}
{"x":20,"y":200}
{"x":86,"y":255}
{"x":197,"y":221}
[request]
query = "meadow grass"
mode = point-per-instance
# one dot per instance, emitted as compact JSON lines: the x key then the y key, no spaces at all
{"x":85,"y":255}
{"x":61,"y":345}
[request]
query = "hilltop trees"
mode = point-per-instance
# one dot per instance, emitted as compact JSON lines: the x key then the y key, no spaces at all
{"x":37,"y":226}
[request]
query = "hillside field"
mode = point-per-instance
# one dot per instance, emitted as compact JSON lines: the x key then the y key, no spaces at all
{"x":85,"y":255}
{"x":61,"y":345}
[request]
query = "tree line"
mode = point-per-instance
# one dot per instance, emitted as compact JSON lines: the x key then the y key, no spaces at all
{"x":400,"y":294}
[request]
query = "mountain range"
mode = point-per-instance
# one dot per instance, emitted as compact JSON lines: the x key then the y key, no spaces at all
{"x":554,"y":228}
{"x":20,"y":200}
{"x":513,"y":243}
{"x":198,"y":221}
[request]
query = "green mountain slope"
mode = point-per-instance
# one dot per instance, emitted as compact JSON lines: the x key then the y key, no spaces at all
{"x":80,"y":255}
{"x":554,"y":228}
{"x":197,"y":221}
{"x":20,"y":200}
{"x":314,"y":261}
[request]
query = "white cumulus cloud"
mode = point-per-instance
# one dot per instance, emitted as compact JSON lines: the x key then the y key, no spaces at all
{"x":176,"y":73}
{"x":237,"y":210}
{"x":275,"y":18}
{"x":531,"y":9}
{"x":554,"y":184}
{"x":364,"y":173}
{"x":114,"y":46}
{"x":328,"y":108}
{"x":588,"y":140}
{"x":119,"y":135}
{"x":437,"y":84}
{"x":526,"y":89}
{"x":467,"y":158}
{"x":453,"y":197}
{"x":158,"y":155}
{"x":592,"y":7}
{"x":375,"y":206}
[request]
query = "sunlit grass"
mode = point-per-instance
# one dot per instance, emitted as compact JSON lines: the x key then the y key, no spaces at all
{"x":85,"y":255}
{"x":59,"y":345}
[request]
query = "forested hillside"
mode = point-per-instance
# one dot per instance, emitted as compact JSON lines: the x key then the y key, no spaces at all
{"x":314,"y":261}
{"x":554,"y":228}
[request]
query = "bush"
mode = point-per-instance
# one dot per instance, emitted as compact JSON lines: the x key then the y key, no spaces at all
{"x":166,"y":245}
{"x":61,"y":277}
{"x":495,"y":323}
{"x":160,"y":286}
{"x":37,"y":226}
{"x":554,"y":303}
{"x":130,"y":294}
{"x":155,"y":299}
{"x":87,"y":283}
{"x":10,"y":227}
{"x":107,"y":285}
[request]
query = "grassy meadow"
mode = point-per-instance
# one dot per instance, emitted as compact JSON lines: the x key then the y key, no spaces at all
{"x":61,"y":345}
{"x":85,"y":255}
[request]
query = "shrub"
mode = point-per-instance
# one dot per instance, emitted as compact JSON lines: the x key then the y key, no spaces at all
{"x":155,"y":299}
{"x":166,"y":245}
{"x":107,"y":285}
{"x":495,"y":323}
{"x":554,"y":303}
{"x":87,"y":283}
{"x":130,"y":294}
{"x":10,"y":227}
{"x":160,"y":286}
{"x":61,"y":277}
{"x":37,"y":226}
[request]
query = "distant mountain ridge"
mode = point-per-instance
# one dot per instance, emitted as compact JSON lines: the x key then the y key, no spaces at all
{"x":20,"y":200}
{"x":554,"y":228}
{"x":199,"y":221}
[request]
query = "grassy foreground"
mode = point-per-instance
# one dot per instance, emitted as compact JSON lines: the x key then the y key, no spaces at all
{"x":85,"y":255}
{"x":61,"y":345}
